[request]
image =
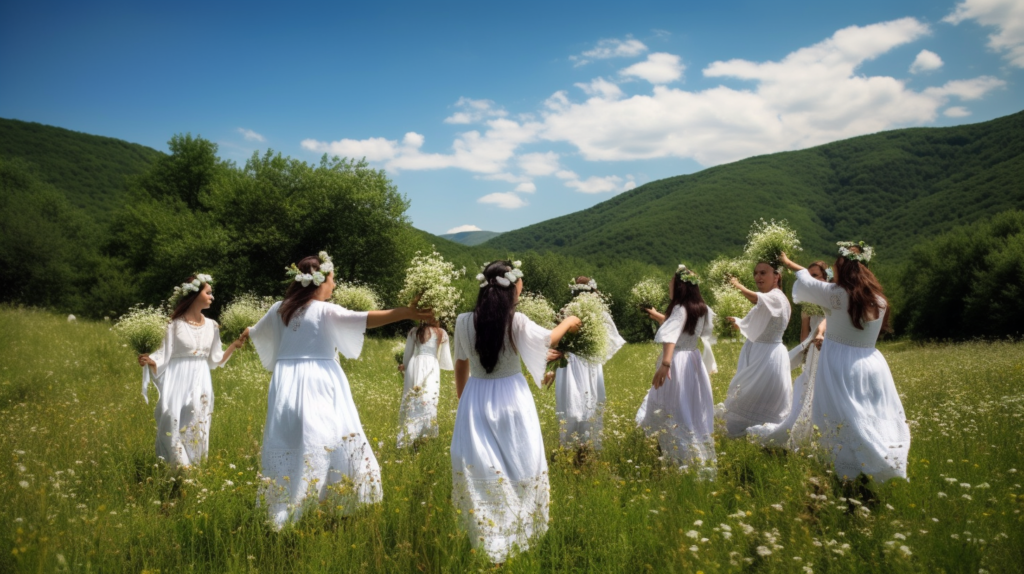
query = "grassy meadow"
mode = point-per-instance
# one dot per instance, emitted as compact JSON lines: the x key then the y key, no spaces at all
{"x":83,"y":492}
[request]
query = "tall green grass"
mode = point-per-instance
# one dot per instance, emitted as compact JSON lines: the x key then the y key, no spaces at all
{"x":83,"y":491}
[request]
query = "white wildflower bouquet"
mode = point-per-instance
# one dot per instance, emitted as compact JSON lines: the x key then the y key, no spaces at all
{"x":649,"y":293}
{"x":537,"y":309}
{"x":812,"y":310}
{"x":398,"y":352}
{"x":590,"y":342}
{"x":722,"y":268}
{"x":142,"y":328}
{"x":768,"y":239}
{"x":431,"y":277}
{"x":355,"y":296}
{"x":729,"y":302}
{"x":243,"y":312}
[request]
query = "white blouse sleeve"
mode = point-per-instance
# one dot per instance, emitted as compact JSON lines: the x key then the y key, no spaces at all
{"x":345,"y":328}
{"x":444,"y":354}
{"x":770,"y":304}
{"x":670,"y":330}
{"x":216,"y":356}
{"x":266,"y":336}
{"x":615,"y":340}
{"x":463,"y":346}
{"x":807,"y":289}
{"x":533,"y":342}
{"x":707,"y":336}
{"x":410,"y":347}
{"x":161,"y":357}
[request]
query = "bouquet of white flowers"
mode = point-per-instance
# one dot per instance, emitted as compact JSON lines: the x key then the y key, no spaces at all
{"x":398,"y":352}
{"x":768,"y":239}
{"x":649,"y":293}
{"x":142,"y":328}
{"x":356,"y":297}
{"x":431,"y":277}
{"x":590,"y":342}
{"x":243,"y":312}
{"x":537,"y":309}
{"x":728,"y":302}
{"x":722,"y":268}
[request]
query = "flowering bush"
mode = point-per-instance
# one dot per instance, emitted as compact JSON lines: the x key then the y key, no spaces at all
{"x":537,"y":309}
{"x":722,"y":268}
{"x":812,"y":310}
{"x":649,"y":293}
{"x":356,"y":297}
{"x":431,"y":277}
{"x":243,"y":312}
{"x":142,"y":328}
{"x":768,"y":239}
{"x":398,"y":352}
{"x":590,"y":342}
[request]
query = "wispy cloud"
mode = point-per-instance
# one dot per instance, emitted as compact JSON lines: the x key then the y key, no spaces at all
{"x":251,"y":136}
{"x":506,"y":200}
{"x":462,"y":228}
{"x":1007,"y":16}
{"x":926,"y":61}
{"x":474,"y":111}
{"x":659,"y":68}
{"x":627,"y":47}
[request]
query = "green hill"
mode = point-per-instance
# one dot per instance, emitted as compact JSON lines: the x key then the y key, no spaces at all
{"x":90,"y":170}
{"x":891,"y":189}
{"x":471,"y":237}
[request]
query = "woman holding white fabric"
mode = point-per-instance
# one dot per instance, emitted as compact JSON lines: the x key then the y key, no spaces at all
{"x":181,"y":369}
{"x":579,"y":386}
{"x":761,"y":391}
{"x":797,"y":430}
{"x":427,"y":352}
{"x":499,"y":468}
{"x":856,"y":406}
{"x":680,"y":408}
{"x":313,"y":441}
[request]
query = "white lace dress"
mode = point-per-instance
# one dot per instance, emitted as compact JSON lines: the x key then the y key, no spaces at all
{"x":856,"y":406}
{"x":499,"y":469}
{"x":313,"y":441}
{"x":797,"y":431}
{"x":185,"y":408}
{"x":580,"y":395}
{"x":417,"y":417}
{"x":762,"y":389}
{"x":682,"y":412}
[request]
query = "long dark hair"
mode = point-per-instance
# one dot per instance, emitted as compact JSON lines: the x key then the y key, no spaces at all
{"x":424,"y":331}
{"x":864,"y":290}
{"x":687,"y":296}
{"x":583,"y":280}
{"x":492,"y":317}
{"x":820,"y":265}
{"x":181,"y":307}
{"x":297,"y":296}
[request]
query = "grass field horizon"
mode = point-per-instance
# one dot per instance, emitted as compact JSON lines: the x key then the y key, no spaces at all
{"x":85,"y":492}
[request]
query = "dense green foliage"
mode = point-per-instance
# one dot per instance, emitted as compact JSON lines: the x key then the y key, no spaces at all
{"x":891,"y":189}
{"x":93,"y":171}
{"x":967,"y":283}
{"x":471,"y":237}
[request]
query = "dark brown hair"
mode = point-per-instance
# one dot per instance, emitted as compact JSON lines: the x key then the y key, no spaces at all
{"x":181,"y":307}
{"x":582,"y":280}
{"x":687,"y":296}
{"x":492,"y":317}
{"x":424,"y":331}
{"x":864,"y":290}
{"x":820,"y":265}
{"x":297,"y":296}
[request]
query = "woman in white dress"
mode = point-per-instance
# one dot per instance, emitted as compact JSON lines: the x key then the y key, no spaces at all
{"x":499,"y":468}
{"x":856,"y":406}
{"x":679,"y":407}
{"x":761,"y":391}
{"x":427,"y":352}
{"x":797,"y":430}
{"x":313,"y":441}
{"x":181,"y":369}
{"x":579,"y":387}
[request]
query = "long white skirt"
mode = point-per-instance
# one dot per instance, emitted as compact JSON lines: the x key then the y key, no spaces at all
{"x":313,"y":441}
{"x":797,"y":431}
{"x":579,"y":402}
{"x":859,"y":413}
{"x":762,"y":389}
{"x":184,"y":411}
{"x":499,"y":469}
{"x":417,"y":417}
{"x":682,"y":412}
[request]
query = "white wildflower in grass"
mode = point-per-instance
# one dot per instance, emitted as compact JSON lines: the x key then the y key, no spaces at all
{"x":142,"y":328}
{"x":355,"y":296}
{"x":648,"y":293}
{"x":537,"y":309}
{"x":728,"y":302}
{"x":763,"y":551}
{"x":693,"y":534}
{"x":590,"y":342}
{"x":431,"y":277}
{"x":768,"y":239}
{"x":243,"y":312}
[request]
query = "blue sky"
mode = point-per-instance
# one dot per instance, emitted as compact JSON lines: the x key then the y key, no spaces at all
{"x":499,"y":116}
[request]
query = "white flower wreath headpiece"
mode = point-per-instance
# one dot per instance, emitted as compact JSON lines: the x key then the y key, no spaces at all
{"x":588,"y":286}
{"x":192,"y":286}
{"x":507,"y":280}
{"x":686,"y":274}
{"x":865,"y":255}
{"x":317,"y":277}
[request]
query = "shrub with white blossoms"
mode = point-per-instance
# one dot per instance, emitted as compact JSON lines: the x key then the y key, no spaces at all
{"x":243,"y":312}
{"x":590,"y":342}
{"x":356,"y":297}
{"x":537,"y":309}
{"x":431,"y":277}
{"x":142,"y":328}
{"x":649,"y":293}
{"x":768,"y":239}
{"x":728,"y":302}
{"x":722,"y":268}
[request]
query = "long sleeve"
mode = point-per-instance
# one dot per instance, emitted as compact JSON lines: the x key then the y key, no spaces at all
{"x":161,"y":357}
{"x":444,"y":354}
{"x":707,"y":336}
{"x":807,"y":289}
{"x":769,"y":305}
{"x":410,"y":347}
{"x":533,"y":342}
{"x":463,"y":346}
{"x":266,"y":336}
{"x":615,"y":340}
{"x":346,"y":329}
{"x":672,"y":328}
{"x":216,"y":356}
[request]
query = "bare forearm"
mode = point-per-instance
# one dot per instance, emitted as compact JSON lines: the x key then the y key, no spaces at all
{"x":558,"y":332}
{"x":750,"y":295}
{"x":461,"y":376}
{"x":667,"y":351}
{"x":376,"y":319}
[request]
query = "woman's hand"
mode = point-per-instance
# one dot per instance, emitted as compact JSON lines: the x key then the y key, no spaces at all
{"x":818,"y":340}
{"x":735,"y":282}
{"x":415,"y":301}
{"x":574,"y":323}
{"x":660,"y":376}
{"x":144,"y":360}
{"x":549,"y":377}
{"x":732,"y":322}
{"x":401,"y":368}
{"x":554,"y":355}
{"x":788,"y":262}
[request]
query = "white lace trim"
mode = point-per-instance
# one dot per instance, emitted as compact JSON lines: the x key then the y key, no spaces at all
{"x":502,"y":515}
{"x":848,"y":342}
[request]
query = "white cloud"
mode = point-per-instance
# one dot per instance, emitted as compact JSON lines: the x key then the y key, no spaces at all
{"x":602,"y":88}
{"x":659,"y":68}
{"x":925,"y":61}
{"x":506,"y":200}
{"x":966,"y":89}
{"x":251,"y":136}
{"x":1007,"y":16}
{"x":504,"y":176}
{"x":611,"y":48}
{"x":487,"y":153}
{"x":474,"y":111}
{"x":538,"y":164}
{"x":526,"y":187}
{"x":462,"y":228}
{"x":956,"y":112}
{"x":373,"y":149}
{"x":595,"y":184}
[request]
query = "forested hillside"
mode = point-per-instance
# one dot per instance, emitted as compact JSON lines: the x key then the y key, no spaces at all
{"x":891,"y":189}
{"x":471,"y":237}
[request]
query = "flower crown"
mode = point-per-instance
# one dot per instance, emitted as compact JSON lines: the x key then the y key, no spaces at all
{"x":865,"y":255}
{"x":317,"y":277}
{"x":192,"y":286}
{"x":686,"y":274}
{"x":588,"y":286}
{"x":506,"y":280}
